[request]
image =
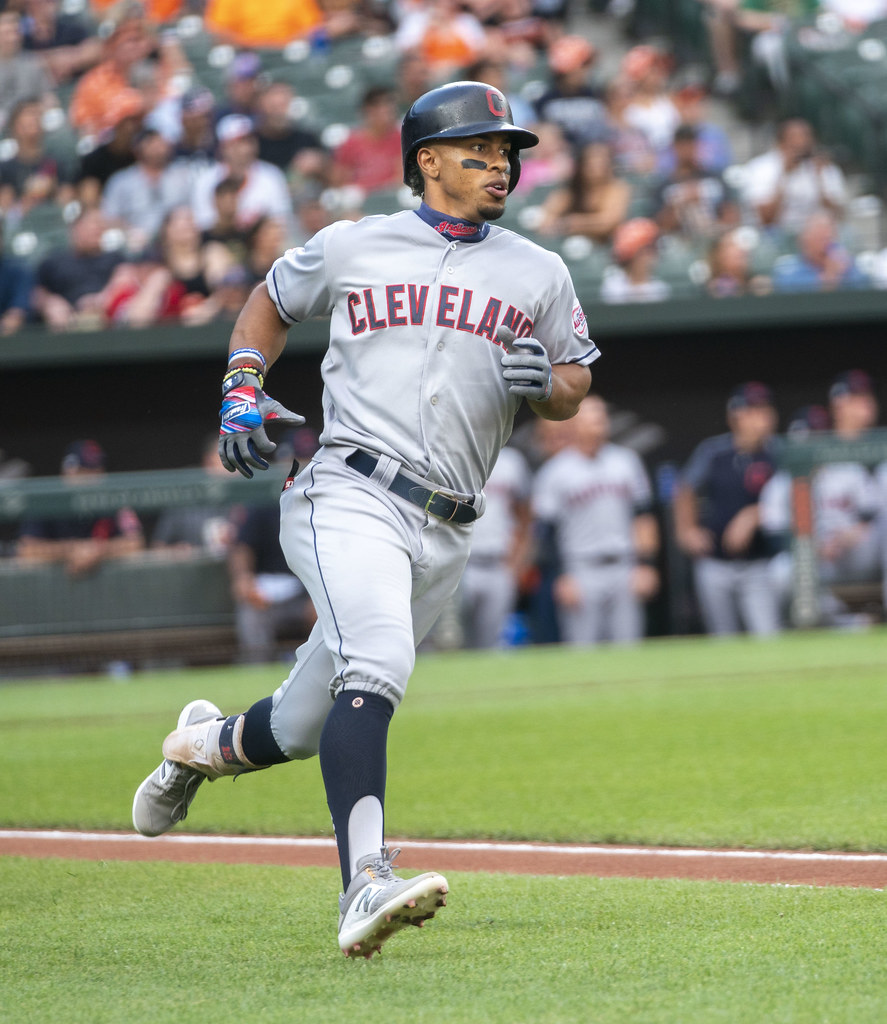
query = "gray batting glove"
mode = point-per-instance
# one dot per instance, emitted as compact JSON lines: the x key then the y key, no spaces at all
{"x":525,"y":366}
{"x":243,"y":442}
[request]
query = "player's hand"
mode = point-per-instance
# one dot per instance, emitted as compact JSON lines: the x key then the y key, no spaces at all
{"x":525,"y":366}
{"x":243,"y":442}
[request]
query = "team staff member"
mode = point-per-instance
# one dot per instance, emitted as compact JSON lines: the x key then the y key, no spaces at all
{"x":594,"y":502}
{"x":718,"y":518}
{"x":500,"y":550}
{"x":440,"y":325}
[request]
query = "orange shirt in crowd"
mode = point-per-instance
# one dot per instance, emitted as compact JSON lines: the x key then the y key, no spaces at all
{"x":92,"y":110}
{"x":261,"y":22}
{"x":157,"y":11}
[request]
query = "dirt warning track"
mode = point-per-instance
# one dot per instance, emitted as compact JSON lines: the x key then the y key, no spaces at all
{"x":786,"y":867}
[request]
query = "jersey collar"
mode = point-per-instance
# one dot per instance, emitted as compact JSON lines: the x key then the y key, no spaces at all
{"x":454,"y":229}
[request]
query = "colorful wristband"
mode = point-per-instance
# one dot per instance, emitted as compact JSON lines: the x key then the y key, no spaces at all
{"x":238,"y":352}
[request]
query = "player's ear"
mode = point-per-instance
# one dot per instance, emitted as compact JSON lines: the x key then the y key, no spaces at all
{"x":428,"y":159}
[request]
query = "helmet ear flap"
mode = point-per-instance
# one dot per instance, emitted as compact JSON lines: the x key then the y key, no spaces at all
{"x":514,"y":160}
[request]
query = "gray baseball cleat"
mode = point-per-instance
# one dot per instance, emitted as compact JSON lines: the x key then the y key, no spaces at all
{"x":377,"y":903}
{"x":163,"y":799}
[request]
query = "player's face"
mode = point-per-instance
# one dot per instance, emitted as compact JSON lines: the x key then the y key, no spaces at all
{"x":468,"y":178}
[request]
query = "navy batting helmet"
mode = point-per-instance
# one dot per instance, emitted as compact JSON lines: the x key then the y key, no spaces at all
{"x":458,"y":111}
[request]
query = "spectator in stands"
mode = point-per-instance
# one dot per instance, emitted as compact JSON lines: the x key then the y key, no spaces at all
{"x":845,"y":493}
{"x":116,"y":151}
{"x":172,"y":281}
{"x":72,"y":282}
{"x":205,"y":529}
{"x":195,"y":141}
{"x":22,"y":75}
{"x":572,"y":102}
{"x":633,"y":153}
{"x":371,"y":156}
{"x":63,"y":41}
{"x":33,"y":175}
{"x":272,"y":23}
{"x":550,"y":162}
{"x":631,"y":279}
{"x":500,"y":553}
{"x":229,"y":293}
{"x":267,"y":240}
{"x":822,"y":262}
{"x":226,"y":230}
{"x":82,"y":543}
{"x":691,"y":201}
{"x":92,"y":108}
{"x":714,"y":150}
{"x":243,"y":86}
{"x":447,"y":36}
{"x":16,"y":284}
{"x":651,"y":108}
{"x":263,"y":190}
{"x":729,"y":271}
{"x":594,"y":502}
{"x":138,"y":198}
{"x":594,"y":203}
{"x":759,"y":27}
{"x":793,"y":180}
{"x":413,"y":79}
{"x":717,"y":517}
{"x":296,"y":151}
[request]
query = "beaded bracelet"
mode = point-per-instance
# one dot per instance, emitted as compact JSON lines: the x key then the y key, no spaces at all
{"x":246,"y":368}
{"x":248,"y":352}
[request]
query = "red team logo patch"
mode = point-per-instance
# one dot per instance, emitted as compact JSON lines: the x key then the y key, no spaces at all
{"x":579,"y":323}
{"x":496,"y":103}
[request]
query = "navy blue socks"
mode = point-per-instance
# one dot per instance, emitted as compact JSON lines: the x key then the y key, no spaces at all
{"x":353,"y":759}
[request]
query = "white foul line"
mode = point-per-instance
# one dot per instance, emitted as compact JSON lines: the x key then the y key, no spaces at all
{"x":462,"y":847}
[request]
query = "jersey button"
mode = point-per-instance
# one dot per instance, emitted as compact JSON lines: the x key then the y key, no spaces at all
{"x":434,"y":399}
{"x":450,"y":270}
{"x":453,"y":246}
{"x":440,"y":346}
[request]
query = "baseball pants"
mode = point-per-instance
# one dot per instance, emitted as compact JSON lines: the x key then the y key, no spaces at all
{"x":379,"y":572}
{"x":736,"y":594}
{"x":609,"y":610}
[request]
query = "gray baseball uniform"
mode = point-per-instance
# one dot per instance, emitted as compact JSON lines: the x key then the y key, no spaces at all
{"x":591,"y":502}
{"x":489,"y":584}
{"x":407,"y":305}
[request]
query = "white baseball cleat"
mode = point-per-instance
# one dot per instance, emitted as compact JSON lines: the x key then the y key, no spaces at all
{"x":377,"y":903}
{"x":163,"y":799}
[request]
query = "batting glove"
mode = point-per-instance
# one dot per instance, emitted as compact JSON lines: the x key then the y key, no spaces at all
{"x":245,"y":411}
{"x":526,"y":366}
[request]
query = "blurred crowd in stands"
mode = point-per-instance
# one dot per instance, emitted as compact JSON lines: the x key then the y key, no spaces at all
{"x":156,"y":157}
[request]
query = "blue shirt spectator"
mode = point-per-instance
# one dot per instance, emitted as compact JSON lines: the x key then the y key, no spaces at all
{"x":822,"y":263}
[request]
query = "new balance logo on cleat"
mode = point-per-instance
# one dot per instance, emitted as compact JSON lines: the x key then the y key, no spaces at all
{"x":378,"y":903}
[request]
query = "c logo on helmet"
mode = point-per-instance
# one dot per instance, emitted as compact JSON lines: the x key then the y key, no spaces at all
{"x":496,"y":103}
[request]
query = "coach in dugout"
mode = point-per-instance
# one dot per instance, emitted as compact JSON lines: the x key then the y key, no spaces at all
{"x":717,"y":517}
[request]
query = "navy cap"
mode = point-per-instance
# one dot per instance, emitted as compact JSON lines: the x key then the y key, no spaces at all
{"x":853,"y":382}
{"x":752,"y":394}
{"x":84,"y":455}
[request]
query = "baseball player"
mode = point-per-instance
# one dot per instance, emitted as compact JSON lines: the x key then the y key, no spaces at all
{"x":594,"y":500}
{"x":499,"y":550}
{"x":441,"y":324}
{"x":718,"y":517}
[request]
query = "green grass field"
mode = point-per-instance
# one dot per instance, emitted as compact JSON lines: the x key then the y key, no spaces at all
{"x":684,"y":742}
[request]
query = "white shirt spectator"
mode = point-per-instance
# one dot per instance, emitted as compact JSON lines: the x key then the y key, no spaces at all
{"x":264,"y":193}
{"x":617,"y":287}
{"x":801,"y":187}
